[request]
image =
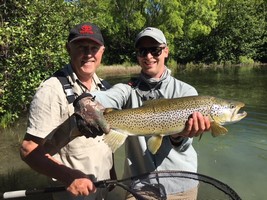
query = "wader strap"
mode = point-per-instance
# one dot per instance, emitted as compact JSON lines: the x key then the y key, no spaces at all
{"x":66,"y":85}
{"x":68,"y":88}
{"x":105,"y":85}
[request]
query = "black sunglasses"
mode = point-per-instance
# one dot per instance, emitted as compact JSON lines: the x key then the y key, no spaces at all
{"x":155,"y":51}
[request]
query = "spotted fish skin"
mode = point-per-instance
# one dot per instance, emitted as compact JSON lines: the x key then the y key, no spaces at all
{"x":161,"y":117}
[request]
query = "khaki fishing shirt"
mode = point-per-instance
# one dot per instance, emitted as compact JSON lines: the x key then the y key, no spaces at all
{"x":138,"y":158}
{"x":50,"y":108}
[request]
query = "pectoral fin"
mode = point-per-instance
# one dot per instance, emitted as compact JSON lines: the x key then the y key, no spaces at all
{"x":114,"y":139}
{"x":154,"y":143}
{"x":217,"y":129}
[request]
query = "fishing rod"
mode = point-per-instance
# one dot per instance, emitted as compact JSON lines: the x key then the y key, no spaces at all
{"x":31,"y":192}
{"x":150,"y":180}
{"x":98,"y":184}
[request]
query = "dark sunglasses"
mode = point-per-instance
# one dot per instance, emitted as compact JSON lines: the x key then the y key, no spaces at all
{"x":155,"y":51}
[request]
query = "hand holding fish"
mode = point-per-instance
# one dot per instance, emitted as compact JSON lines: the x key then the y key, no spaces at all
{"x":195,"y":126}
{"x":89,"y":116}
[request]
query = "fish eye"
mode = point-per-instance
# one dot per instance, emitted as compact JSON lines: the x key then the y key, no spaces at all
{"x":232,"y":106}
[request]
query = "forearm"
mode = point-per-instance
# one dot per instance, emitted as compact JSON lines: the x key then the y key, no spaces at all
{"x":43,"y":163}
{"x":62,"y":136}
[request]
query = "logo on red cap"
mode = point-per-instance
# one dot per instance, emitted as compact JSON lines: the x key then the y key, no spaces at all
{"x":86,"y":29}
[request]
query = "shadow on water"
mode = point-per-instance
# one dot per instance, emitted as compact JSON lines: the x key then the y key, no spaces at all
{"x":238,"y":159}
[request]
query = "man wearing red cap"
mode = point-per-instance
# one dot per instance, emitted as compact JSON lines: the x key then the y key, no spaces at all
{"x":51,"y":116}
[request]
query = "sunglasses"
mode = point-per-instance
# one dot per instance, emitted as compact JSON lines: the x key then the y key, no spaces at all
{"x":154,"y":51}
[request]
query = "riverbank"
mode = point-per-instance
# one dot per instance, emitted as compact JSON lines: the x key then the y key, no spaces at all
{"x":124,"y":70}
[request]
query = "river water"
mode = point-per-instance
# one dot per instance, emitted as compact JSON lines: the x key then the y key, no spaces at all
{"x":238,"y":159}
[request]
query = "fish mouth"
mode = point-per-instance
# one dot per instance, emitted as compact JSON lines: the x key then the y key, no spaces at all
{"x":237,"y":116}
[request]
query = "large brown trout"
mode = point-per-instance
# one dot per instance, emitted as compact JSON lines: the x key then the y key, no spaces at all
{"x":162,"y":117}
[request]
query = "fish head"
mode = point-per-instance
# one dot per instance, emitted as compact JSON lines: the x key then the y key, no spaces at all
{"x":226,"y":112}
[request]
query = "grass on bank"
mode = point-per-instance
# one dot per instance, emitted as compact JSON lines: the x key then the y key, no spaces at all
{"x":117,"y":70}
{"x":130,"y":69}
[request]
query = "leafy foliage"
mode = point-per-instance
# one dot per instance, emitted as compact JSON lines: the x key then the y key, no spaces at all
{"x":33,"y":35}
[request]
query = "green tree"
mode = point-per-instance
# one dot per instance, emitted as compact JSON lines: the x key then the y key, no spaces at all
{"x":200,"y":18}
{"x":29,"y":51}
{"x":179,"y":20}
{"x":32,"y":40}
{"x":240,"y":31}
{"x":127,"y":19}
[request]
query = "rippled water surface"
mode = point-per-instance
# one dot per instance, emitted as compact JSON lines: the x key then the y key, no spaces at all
{"x":239,"y":158}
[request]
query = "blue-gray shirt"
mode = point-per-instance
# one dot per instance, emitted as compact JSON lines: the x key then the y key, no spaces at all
{"x":138,"y":159}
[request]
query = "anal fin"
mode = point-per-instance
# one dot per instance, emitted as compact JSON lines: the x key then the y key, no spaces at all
{"x":217,"y":129}
{"x":154,"y":143}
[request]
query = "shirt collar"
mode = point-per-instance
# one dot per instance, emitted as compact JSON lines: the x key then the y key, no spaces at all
{"x":96,"y":81}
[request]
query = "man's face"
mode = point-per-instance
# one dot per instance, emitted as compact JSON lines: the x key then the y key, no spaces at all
{"x":85,"y":57}
{"x":151,"y":56}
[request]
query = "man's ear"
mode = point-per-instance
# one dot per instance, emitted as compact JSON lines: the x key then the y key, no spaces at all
{"x":166,"y":52}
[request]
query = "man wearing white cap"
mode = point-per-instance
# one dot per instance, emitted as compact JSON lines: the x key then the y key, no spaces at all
{"x":154,"y":82}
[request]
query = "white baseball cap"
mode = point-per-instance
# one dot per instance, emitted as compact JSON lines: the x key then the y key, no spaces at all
{"x":153,"y":33}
